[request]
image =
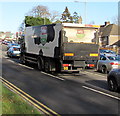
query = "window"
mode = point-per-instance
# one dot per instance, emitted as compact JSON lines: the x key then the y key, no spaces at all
{"x":102,"y":58}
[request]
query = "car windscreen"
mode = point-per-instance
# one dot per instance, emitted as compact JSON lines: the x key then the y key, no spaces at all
{"x":107,"y":51}
{"x":113,"y":58}
{"x":16,"y":49}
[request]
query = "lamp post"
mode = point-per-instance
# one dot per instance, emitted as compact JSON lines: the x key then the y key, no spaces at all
{"x":85,"y":11}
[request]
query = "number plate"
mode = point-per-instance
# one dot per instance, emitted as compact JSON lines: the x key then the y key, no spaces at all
{"x":65,"y":68}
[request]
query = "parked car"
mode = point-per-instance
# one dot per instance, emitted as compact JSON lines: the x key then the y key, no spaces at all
{"x":113,"y":80}
{"x":107,"y":62}
{"x":12,"y":44}
{"x":4,"y":41}
{"x":107,"y":51}
{"x":14,"y":51}
{"x":7,"y":42}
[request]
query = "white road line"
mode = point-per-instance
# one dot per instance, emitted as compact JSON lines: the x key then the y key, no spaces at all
{"x":100,"y":92}
{"x":20,"y":64}
{"x":53,"y":76}
{"x":25,"y":66}
{"x":11,"y":61}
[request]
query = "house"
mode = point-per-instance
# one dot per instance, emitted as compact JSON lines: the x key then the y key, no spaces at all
{"x":109,"y":35}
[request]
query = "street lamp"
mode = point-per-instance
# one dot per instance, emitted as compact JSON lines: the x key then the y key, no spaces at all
{"x":85,"y":3}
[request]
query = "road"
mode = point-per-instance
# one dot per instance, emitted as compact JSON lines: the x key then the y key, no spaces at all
{"x":86,"y":93}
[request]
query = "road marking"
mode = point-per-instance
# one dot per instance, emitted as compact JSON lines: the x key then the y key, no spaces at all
{"x":26,"y":66}
{"x":53,"y":76}
{"x":97,"y":91}
{"x":22,"y":93}
{"x":20,"y":64}
{"x":11,"y":61}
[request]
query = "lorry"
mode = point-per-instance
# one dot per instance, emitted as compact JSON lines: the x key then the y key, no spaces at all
{"x":62,"y":47}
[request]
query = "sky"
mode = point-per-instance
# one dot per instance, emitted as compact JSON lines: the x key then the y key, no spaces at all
{"x":12,"y":13}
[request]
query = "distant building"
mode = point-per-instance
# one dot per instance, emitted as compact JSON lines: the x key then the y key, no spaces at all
{"x":7,"y":36}
{"x":2,"y":35}
{"x":109,"y":35}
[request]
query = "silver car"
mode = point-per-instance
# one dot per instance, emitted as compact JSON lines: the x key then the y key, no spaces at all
{"x":113,"y":80}
{"x":108,"y":62}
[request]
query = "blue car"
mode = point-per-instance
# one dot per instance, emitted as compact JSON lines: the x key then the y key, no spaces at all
{"x":12,"y":44}
{"x":14,"y":51}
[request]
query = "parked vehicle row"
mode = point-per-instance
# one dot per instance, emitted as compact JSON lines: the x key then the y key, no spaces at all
{"x":110,"y":63}
{"x":13,"y":48}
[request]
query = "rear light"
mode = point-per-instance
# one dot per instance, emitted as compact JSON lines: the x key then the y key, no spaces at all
{"x":64,"y":65}
{"x":91,"y":65}
{"x":112,"y":63}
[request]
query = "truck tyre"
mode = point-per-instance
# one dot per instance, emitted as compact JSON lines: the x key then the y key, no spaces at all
{"x":104,"y":69}
{"x":40,"y":63}
{"x":22,"y":59}
{"x":47,"y":66}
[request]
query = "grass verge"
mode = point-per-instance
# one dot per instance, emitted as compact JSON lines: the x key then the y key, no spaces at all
{"x":14,"y":104}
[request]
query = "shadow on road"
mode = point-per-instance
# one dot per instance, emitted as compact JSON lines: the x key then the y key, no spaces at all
{"x":98,"y":83}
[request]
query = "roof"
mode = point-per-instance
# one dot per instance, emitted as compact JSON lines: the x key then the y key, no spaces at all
{"x":111,"y":29}
{"x":80,"y":25}
{"x":117,"y":43}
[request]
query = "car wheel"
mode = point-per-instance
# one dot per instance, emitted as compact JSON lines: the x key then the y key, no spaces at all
{"x":104,"y":69}
{"x":112,"y":84}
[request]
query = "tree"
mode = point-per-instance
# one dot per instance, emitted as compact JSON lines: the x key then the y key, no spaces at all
{"x":75,"y":17}
{"x":39,"y":11}
{"x":54,"y":16}
{"x":66,"y":16}
{"x":43,"y":12}
{"x":34,"y":21}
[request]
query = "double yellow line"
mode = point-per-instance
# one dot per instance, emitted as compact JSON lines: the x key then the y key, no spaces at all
{"x":30,"y":99}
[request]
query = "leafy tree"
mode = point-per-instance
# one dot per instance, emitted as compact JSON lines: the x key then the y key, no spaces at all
{"x":66,"y":16}
{"x":34,"y":21}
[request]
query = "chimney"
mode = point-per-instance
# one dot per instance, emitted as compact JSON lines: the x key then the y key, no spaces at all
{"x":107,"y":23}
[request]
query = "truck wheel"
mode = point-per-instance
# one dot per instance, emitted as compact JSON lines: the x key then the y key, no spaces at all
{"x":47,"y":66}
{"x":40,"y":63}
{"x":112,"y":85}
{"x":22,"y":59}
{"x":104,"y":69}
